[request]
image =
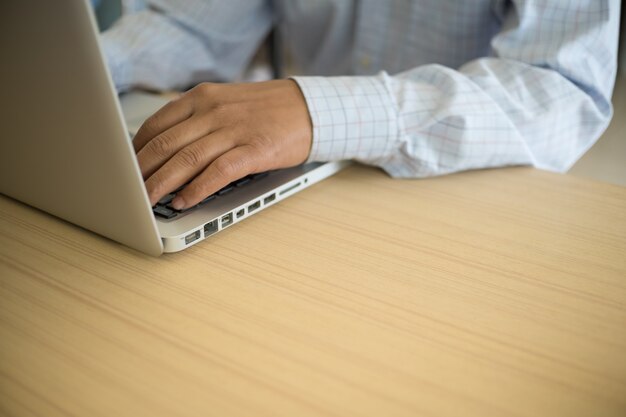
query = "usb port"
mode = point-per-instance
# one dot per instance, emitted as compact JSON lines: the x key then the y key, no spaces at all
{"x":227,"y":220}
{"x":210,"y":228}
{"x":254,"y":206}
{"x":269,"y":199}
{"x":240,"y":213}
{"x":192,"y":237}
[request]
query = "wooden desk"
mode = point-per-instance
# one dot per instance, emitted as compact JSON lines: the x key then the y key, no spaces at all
{"x":493,"y":293}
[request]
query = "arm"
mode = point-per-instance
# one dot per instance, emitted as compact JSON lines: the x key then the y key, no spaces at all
{"x":542,"y":98}
{"x":176,"y":43}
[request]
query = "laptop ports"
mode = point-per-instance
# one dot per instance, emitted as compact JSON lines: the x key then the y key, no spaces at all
{"x":254,"y":206}
{"x":210,"y":228}
{"x":192,"y":237}
{"x":227,"y":220}
{"x":269,"y":198}
{"x":240,"y":213}
{"x":290,"y":188}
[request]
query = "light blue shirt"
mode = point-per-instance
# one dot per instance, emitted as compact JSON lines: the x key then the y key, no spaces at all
{"x":419,"y":88}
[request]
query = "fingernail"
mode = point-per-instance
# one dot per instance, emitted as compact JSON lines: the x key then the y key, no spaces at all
{"x":178,"y":203}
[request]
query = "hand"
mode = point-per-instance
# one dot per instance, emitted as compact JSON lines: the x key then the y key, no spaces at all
{"x":218,"y":133}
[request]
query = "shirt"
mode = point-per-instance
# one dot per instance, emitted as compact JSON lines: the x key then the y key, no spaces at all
{"x":419,"y":88}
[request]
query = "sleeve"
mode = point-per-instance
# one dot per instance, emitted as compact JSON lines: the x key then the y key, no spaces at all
{"x":173,"y":44}
{"x":541,"y":99}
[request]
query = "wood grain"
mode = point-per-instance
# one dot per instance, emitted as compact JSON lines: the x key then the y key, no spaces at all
{"x":485,"y":293}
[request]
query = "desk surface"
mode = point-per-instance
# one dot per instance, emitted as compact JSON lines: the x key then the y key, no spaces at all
{"x":485,"y":293}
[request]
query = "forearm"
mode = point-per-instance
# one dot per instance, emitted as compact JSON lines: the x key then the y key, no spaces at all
{"x":434,"y":120}
{"x":541,"y":99}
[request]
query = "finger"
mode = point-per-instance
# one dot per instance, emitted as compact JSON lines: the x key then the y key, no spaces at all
{"x":167,"y":144}
{"x":187,"y":163}
{"x":230,"y":166}
{"x":167,"y":116}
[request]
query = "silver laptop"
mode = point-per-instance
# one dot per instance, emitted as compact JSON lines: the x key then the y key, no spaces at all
{"x":65,"y":147}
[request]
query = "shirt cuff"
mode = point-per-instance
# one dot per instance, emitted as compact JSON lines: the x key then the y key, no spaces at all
{"x":353,"y":118}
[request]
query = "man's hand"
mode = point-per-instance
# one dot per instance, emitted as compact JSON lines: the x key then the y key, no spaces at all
{"x":218,"y":133}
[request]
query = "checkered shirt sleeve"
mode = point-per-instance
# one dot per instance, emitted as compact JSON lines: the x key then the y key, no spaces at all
{"x":541,"y":98}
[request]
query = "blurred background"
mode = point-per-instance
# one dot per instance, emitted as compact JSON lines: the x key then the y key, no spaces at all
{"x":605,"y":161}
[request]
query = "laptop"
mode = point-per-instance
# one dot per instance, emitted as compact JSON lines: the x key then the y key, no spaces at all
{"x":65,"y":147}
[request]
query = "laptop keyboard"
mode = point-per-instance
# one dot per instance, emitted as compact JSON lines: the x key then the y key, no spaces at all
{"x":164,"y":207}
